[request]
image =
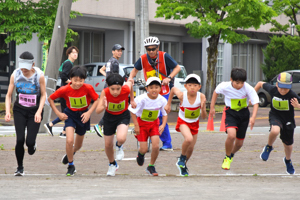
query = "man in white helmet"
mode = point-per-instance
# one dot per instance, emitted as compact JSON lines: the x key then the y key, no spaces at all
{"x":160,"y":64}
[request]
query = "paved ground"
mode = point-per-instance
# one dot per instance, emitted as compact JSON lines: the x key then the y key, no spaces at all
{"x":248,"y":178}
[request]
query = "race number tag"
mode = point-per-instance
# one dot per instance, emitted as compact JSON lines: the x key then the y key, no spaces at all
{"x":191,"y":114}
{"x":78,"y":102}
{"x":116,"y":107}
{"x":238,"y":104}
{"x":27,"y":100}
{"x":149,"y":115}
{"x":152,"y":73}
{"x":280,"y":104}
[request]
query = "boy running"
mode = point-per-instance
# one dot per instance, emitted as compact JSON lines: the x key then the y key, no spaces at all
{"x":281,"y":117}
{"x":114,"y":100}
{"x":192,"y":105}
{"x":237,"y":94}
{"x":78,"y":97}
{"x":146,"y":121}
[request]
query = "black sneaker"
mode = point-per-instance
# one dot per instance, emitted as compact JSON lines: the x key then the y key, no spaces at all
{"x":31,"y":150}
{"x":71,"y":170}
{"x":48,"y":128}
{"x":151,"y":171}
{"x":64,"y":159}
{"x":62,"y":135}
{"x":19,"y":172}
{"x":140,"y":159}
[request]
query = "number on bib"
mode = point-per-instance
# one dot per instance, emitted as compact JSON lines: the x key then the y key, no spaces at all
{"x":149,"y":115}
{"x":78,"y":102}
{"x":116,"y":107}
{"x":238,"y":104}
{"x":280,"y":104}
{"x":191,"y":114}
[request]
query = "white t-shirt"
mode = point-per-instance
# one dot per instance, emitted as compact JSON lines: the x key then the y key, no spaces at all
{"x":237,"y":99}
{"x":149,"y":109}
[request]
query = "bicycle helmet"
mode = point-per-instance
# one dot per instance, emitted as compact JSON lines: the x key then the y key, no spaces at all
{"x":151,"y":41}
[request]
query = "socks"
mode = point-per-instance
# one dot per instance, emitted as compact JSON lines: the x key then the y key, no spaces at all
{"x":71,"y":163}
{"x":113,"y":163}
{"x":117,"y":144}
{"x":182,"y":157}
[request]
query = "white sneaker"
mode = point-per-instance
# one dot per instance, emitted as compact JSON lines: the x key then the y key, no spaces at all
{"x":119,"y":153}
{"x":112,"y":169}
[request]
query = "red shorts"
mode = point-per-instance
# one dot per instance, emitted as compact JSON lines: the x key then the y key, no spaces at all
{"x":147,"y":129}
{"x":194,"y":126}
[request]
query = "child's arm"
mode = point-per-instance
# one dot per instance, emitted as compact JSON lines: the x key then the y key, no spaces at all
{"x":132,"y":102}
{"x":174,"y":91}
{"x":86,"y":116}
{"x":8,"y":98}
{"x":203,"y":106}
{"x":38,"y":114}
{"x":164,"y":122}
{"x":254,"y":112}
{"x":212,"y":104}
{"x":295,"y":103}
{"x":102,"y":70}
{"x":101,"y":105}
{"x":258,"y":85}
{"x":136,"y":124}
{"x":60,"y":115}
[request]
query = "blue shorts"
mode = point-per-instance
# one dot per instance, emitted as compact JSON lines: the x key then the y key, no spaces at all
{"x":74,"y":120}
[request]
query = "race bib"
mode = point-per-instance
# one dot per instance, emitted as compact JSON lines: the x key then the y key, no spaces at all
{"x":152,"y":73}
{"x":116,"y":107}
{"x":149,"y":115}
{"x":280,"y":104}
{"x":27,"y":100}
{"x":238,"y":104}
{"x":78,"y":102}
{"x":191,"y":114}
{"x":107,"y":67}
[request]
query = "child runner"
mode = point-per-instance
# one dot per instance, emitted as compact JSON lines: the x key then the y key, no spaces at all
{"x":114,"y":100}
{"x":28,"y":107}
{"x":146,"y":121}
{"x":78,"y":97}
{"x":192,"y":105}
{"x":237,"y":94}
{"x":281,"y":117}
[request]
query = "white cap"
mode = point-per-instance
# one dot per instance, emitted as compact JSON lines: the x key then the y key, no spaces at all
{"x":25,"y":63}
{"x":151,"y":79}
{"x":193,"y":76}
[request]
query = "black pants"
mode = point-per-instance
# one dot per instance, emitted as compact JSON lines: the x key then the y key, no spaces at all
{"x":24,"y":118}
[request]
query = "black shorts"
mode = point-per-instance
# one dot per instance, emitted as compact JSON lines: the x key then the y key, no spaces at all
{"x":111,"y":122}
{"x":238,"y":120}
{"x":286,"y":129}
{"x":74,"y":120}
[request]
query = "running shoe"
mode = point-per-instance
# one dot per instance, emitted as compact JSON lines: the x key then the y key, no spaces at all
{"x":112,"y":169}
{"x":64,"y":159}
{"x":31,"y":150}
{"x":226,"y":163}
{"x":71,"y":170}
{"x":140,"y":159}
{"x":62,"y":135}
{"x":98,"y":130}
{"x":266,"y":153}
{"x":119,"y":152}
{"x":19,"y":171}
{"x":289,"y":166}
{"x":184,"y":171}
{"x":151,"y":171}
{"x":48,"y":128}
{"x":166,"y":148}
{"x":181,"y":162}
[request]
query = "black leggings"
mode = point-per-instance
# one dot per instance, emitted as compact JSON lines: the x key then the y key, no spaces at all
{"x":24,"y":118}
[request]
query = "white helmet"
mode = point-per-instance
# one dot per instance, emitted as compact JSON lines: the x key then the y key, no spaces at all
{"x":151,"y":41}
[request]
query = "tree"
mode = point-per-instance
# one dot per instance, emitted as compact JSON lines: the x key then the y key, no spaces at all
{"x":20,"y":19}
{"x":216,"y":19}
{"x":283,"y":53}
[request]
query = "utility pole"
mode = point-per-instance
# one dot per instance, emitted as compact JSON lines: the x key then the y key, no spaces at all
{"x":141,"y":29}
{"x":55,"y":53}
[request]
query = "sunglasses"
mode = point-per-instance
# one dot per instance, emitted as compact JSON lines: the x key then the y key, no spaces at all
{"x":149,"y":49}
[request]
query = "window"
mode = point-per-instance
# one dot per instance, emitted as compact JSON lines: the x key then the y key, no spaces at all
{"x":220,"y":64}
{"x":296,"y":77}
{"x":89,"y":69}
{"x":172,"y":48}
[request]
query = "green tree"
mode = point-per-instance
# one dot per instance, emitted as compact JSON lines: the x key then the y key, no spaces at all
{"x":216,"y":19}
{"x":20,"y":19}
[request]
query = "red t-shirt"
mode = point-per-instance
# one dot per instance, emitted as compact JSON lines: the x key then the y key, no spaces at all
{"x":117,"y":105}
{"x":77,"y":100}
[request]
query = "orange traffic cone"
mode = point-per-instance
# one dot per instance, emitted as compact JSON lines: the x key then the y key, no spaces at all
{"x":210,"y":123}
{"x":222,"y":126}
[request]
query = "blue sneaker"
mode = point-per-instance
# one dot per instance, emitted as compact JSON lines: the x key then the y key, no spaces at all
{"x":98,"y":130}
{"x":166,"y":148}
{"x":181,"y":162}
{"x":289,"y":166}
{"x":265,"y":153}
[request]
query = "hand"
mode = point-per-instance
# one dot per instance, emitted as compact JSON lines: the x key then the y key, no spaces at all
{"x":7,"y":117}
{"x":136,"y":130}
{"x":37,"y":117}
{"x":251,"y":122}
{"x":168,"y":108}
{"x":212,"y":112}
{"x":161,"y":129}
{"x":166,"y":81}
{"x":295,"y":103}
{"x":62,"y":116}
{"x":85,"y":117}
{"x":133,"y":104}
